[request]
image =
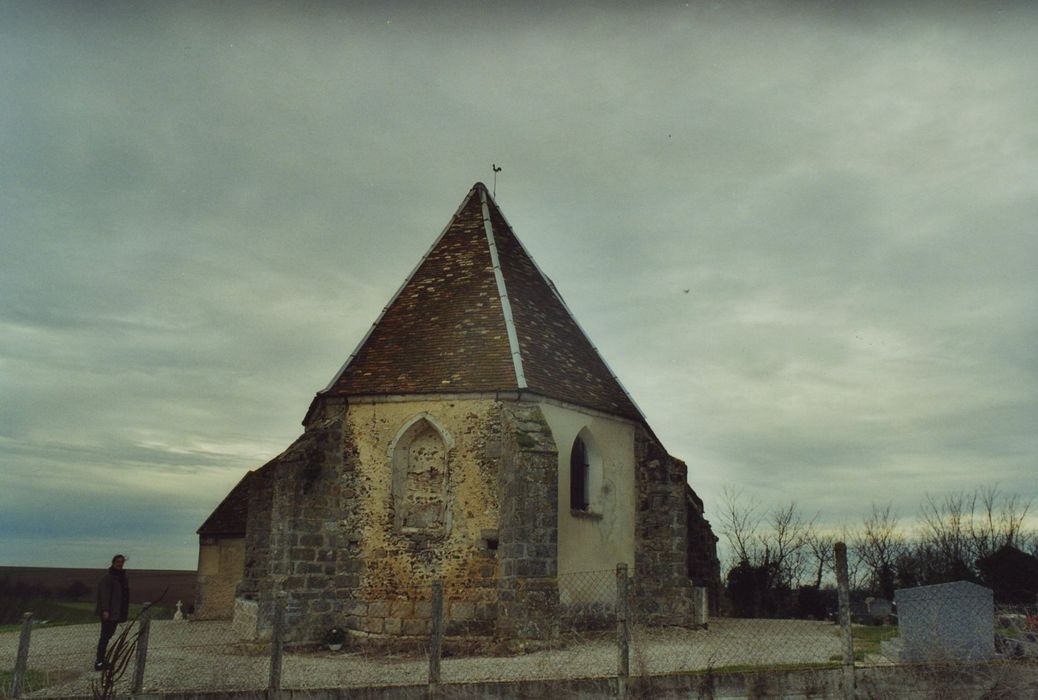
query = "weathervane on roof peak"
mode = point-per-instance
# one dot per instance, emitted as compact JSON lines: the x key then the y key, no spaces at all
{"x":496,"y":170}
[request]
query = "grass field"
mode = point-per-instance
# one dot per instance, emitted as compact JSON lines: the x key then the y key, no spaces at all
{"x":55,"y":613}
{"x":66,"y":596}
{"x":145,"y":584}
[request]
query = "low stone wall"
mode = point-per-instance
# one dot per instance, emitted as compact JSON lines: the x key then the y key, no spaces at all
{"x":389,"y":617}
{"x":821,"y":683}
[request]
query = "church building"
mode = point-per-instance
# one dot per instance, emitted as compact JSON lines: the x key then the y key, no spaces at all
{"x":475,"y":436}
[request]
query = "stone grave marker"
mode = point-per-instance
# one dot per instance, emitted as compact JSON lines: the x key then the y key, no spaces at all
{"x":880,"y":609}
{"x":946,"y":622}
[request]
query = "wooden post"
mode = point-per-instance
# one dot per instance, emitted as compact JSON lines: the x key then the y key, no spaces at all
{"x":277,"y":635}
{"x":21,"y":662}
{"x":844,"y":597}
{"x":623,"y":611}
{"x":436,"y":639}
{"x":143,"y":627}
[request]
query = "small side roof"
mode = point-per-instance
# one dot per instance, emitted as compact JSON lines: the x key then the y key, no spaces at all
{"x":228,"y":519}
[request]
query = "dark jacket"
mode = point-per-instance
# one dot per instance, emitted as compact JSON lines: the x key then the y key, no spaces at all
{"x":113,"y":595}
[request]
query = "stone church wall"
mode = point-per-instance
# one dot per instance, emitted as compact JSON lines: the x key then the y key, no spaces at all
{"x":662,"y":589}
{"x":220,"y":564}
{"x":602,"y":537}
{"x":704,"y":568}
{"x":292,"y":541}
{"x":528,"y":482}
{"x":378,"y":499}
{"x":421,"y":493}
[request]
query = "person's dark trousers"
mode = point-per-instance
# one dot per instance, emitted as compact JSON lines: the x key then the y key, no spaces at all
{"x":107,"y":630}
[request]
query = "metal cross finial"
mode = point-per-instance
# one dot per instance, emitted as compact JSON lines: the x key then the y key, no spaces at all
{"x":496,"y":171}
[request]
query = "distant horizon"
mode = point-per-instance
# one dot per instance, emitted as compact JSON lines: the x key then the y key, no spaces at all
{"x":89,"y":568}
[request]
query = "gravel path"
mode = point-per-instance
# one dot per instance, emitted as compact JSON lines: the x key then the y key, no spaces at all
{"x":204,"y":655}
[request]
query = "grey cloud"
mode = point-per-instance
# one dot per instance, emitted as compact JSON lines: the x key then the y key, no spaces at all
{"x":203,"y":208}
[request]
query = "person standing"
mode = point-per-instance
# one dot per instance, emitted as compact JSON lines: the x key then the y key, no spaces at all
{"x":113,"y":605}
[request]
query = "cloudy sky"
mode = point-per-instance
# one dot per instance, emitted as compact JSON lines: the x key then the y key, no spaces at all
{"x":802,"y":235}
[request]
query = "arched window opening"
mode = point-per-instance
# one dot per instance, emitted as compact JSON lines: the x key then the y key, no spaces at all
{"x":579,"y":476}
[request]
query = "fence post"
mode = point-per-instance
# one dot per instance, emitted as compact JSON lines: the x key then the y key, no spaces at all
{"x":143,"y":627}
{"x":22,"y":660}
{"x":844,"y":597}
{"x":436,"y":639}
{"x":277,"y":634}
{"x":623,"y":661}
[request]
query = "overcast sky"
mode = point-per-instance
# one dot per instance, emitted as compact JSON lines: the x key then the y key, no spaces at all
{"x":802,"y":235}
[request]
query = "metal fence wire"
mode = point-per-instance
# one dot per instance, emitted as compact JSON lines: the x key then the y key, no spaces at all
{"x":947,"y":641}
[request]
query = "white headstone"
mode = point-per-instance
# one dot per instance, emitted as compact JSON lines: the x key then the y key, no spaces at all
{"x":179,"y":614}
{"x":946,"y":622}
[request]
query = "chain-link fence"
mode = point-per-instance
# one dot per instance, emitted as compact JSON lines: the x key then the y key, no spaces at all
{"x":936,"y":642}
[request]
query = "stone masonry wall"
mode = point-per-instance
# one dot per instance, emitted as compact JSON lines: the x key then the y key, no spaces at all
{"x":662,"y":592}
{"x":321,"y":527}
{"x":291,"y":534}
{"x":528,"y":478}
{"x":391,"y":568}
{"x":388,"y":567}
{"x":220,"y":564}
{"x":257,"y":533}
{"x":704,"y":568}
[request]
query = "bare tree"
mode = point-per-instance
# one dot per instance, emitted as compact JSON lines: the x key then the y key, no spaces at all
{"x":879,"y":546}
{"x":966,"y":526}
{"x":787,"y":544}
{"x":740,"y":525}
{"x":775,"y":541}
{"x":999,"y":523}
{"x":946,"y":528}
{"x":821,"y":548}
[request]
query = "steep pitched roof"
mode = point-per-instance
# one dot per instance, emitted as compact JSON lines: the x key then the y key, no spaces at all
{"x":478,"y":315}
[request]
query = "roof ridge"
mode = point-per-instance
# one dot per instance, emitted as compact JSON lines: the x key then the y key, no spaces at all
{"x":565,"y":306}
{"x":502,"y":290}
{"x":407,"y":280}
{"x":478,"y":314}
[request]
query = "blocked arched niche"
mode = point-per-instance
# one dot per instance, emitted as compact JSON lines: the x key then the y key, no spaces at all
{"x":419,"y":455}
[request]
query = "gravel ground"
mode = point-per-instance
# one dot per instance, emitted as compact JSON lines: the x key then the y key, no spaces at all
{"x":204,"y":655}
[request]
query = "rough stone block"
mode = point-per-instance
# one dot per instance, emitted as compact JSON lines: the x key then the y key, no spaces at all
{"x":542,"y":551}
{"x":371,"y":625}
{"x":457,"y":628}
{"x":355,"y":607}
{"x":401,"y":608}
{"x":462,"y":611}
{"x":531,"y":567}
{"x":415,"y":627}
{"x":513,"y":550}
{"x":305,"y":567}
{"x":392,"y":625}
{"x":379,"y":608}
